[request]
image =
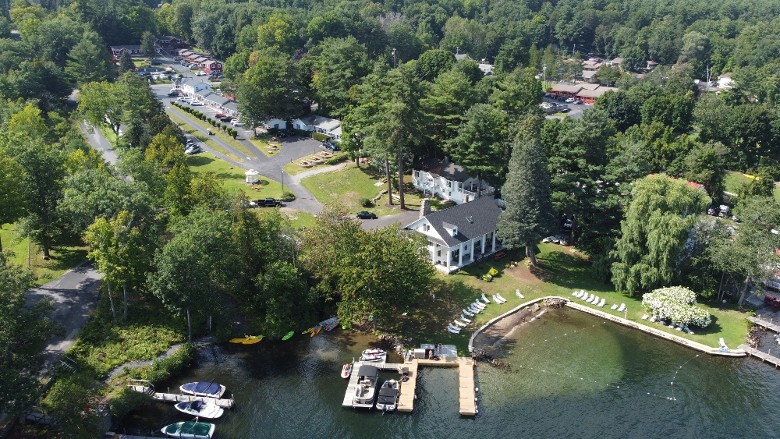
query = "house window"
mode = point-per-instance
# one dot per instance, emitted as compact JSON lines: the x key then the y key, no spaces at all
{"x":438,"y":253}
{"x":427,"y":227}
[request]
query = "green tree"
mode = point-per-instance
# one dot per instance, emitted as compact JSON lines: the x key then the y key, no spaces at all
{"x":517,"y":93}
{"x":749,"y":255}
{"x":12,"y":191}
{"x":88,"y":60}
{"x":434,"y":62}
{"x":23,"y":333}
{"x":528,"y":215}
{"x":706,"y":164}
{"x":284,"y":299}
{"x":482,"y":145}
{"x":195,"y":267}
{"x":278,"y":32}
{"x":265,"y":90}
{"x":342,"y":64}
{"x":446,"y":103}
{"x":126,"y":63}
{"x":654,"y":232}
{"x":148,"y":41}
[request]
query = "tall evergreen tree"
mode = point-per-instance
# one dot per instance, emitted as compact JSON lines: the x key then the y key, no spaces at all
{"x":528,"y":214}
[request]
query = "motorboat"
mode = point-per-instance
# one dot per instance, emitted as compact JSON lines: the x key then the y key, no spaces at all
{"x":203,"y":388}
{"x":190,"y":429}
{"x":365,"y":391}
{"x":387,"y":401}
{"x":330,"y":323}
{"x":346,"y":370}
{"x":200,"y":409}
{"x":374,"y":355}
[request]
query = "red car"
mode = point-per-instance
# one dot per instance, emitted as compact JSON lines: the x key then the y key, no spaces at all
{"x":219,"y":116}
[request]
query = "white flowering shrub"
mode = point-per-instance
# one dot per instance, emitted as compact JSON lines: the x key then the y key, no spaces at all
{"x":677,"y":304}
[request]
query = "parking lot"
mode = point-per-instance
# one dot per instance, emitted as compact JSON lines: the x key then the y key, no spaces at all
{"x":575,"y":109}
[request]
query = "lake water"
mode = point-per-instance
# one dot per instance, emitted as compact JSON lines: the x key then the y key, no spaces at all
{"x":570,"y":374}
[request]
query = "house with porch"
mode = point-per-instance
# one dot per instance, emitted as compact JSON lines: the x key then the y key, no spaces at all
{"x":317,"y":124}
{"x":212,"y":66}
{"x":448,"y":181}
{"x":133,"y":49}
{"x":191,"y":86}
{"x":461,"y":234}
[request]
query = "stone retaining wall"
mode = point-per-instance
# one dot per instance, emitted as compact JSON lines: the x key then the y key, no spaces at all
{"x":619,"y":320}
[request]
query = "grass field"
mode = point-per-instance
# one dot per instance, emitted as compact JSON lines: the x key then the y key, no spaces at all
{"x":218,"y":133}
{"x":298,"y":219}
{"x":263,"y":142}
{"x":562,"y":270}
{"x":734,"y":180}
{"x":232,"y":177}
{"x":349,"y":185}
{"x":62,"y":258}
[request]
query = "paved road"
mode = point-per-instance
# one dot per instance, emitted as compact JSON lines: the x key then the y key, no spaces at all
{"x":99,"y":142}
{"x":74,"y":296}
{"x":403,"y":219}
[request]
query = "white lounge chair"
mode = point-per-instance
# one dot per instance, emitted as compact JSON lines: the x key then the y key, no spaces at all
{"x":452,"y":330}
{"x":495,"y":299}
{"x":519,"y":294}
{"x":462,"y":317}
{"x":652,"y":318}
{"x":467,"y":312}
{"x":501,"y":298}
{"x":602,"y":302}
{"x":590,"y":298}
{"x":614,"y":306}
{"x":479,"y":305}
{"x":484,"y":297}
{"x":622,"y":307}
{"x":459,"y":323}
{"x":644,"y":317}
{"x":573,"y":293}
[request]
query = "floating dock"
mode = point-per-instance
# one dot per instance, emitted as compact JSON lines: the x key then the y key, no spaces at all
{"x":178,"y":397}
{"x":466,"y":384}
{"x":765,"y":323}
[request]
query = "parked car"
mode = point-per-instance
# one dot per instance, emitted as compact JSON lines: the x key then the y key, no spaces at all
{"x":201,"y":73}
{"x":173,"y":93}
{"x":226,"y":119}
{"x":219,"y":116}
{"x":236,"y":123}
{"x":364,"y":214}
{"x":196,"y":104}
{"x":268,"y":202}
{"x":193,"y":149}
{"x":570,"y":100}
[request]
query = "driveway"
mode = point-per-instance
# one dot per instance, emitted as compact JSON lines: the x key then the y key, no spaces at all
{"x":74,"y":296}
{"x":100,"y":143}
{"x":402,"y":219}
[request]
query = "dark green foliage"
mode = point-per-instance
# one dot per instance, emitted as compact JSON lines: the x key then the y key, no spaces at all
{"x":529,"y":212}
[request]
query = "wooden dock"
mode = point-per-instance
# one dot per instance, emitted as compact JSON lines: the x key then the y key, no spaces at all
{"x":466,"y":384}
{"x":765,"y":323}
{"x":178,"y":397}
{"x":765,"y":357}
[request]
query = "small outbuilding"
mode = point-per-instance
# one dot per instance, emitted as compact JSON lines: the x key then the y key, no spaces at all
{"x":252,"y":176}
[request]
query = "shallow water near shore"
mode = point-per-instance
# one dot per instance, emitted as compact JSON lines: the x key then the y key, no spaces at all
{"x":570,"y":374}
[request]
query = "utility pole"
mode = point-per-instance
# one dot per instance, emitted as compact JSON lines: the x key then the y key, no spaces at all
{"x":393,"y":57}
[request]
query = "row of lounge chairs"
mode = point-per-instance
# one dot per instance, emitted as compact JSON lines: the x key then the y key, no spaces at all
{"x":620,"y":308}
{"x":590,"y":298}
{"x":671,"y":325}
{"x":473,"y":309}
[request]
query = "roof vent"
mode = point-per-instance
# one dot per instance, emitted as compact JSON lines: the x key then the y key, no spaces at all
{"x":470,"y":219}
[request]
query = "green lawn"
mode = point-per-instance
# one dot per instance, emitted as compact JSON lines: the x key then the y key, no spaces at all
{"x":232,"y":177}
{"x":62,"y":258}
{"x":349,"y":185}
{"x":299,"y":219}
{"x":734,"y":180}
{"x":562,"y":271}
{"x":263,"y":142}
{"x":222,"y":135}
{"x":205,"y":139}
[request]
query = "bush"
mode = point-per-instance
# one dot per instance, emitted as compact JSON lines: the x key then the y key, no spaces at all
{"x":336,"y":159}
{"x":319,"y":136}
{"x":288,"y":196}
{"x":161,"y":370}
{"x":234,"y":133}
{"x":492,"y":272}
{"x":487,"y":278}
{"x":365,"y":202}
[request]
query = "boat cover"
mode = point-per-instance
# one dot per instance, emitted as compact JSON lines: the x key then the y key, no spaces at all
{"x":204,"y":387}
{"x":368,"y":371}
{"x":190,"y":427}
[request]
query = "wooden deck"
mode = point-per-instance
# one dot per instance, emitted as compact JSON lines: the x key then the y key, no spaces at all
{"x":466,"y":384}
{"x":765,"y":357}
{"x":178,"y":397}
{"x":765,"y":323}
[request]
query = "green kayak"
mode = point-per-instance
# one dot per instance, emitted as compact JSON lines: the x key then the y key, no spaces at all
{"x":288,"y":335}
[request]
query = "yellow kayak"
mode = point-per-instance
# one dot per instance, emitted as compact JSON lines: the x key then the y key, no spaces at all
{"x":249,"y":339}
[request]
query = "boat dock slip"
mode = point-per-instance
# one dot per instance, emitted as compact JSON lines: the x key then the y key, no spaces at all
{"x":466,"y":384}
{"x":177,"y":397}
{"x":765,"y":323}
{"x":764,"y":356}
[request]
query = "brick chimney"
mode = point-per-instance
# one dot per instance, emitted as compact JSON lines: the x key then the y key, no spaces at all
{"x":425,"y":207}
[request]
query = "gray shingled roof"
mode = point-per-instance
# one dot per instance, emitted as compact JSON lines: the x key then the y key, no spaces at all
{"x":473,"y":219}
{"x":446,"y":169}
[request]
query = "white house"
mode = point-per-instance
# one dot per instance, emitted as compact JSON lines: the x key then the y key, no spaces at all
{"x":448,"y":181}
{"x":461,"y":234}
{"x":317,"y":124}
{"x":191,"y":86}
{"x":275,"y":124}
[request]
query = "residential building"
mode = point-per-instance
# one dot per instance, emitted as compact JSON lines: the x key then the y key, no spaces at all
{"x":461,"y":234}
{"x":317,"y":124}
{"x":275,"y":124}
{"x":589,"y":96}
{"x":448,"y":181}
{"x":118,"y":51}
{"x":212,"y":66}
{"x":191,"y":86}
